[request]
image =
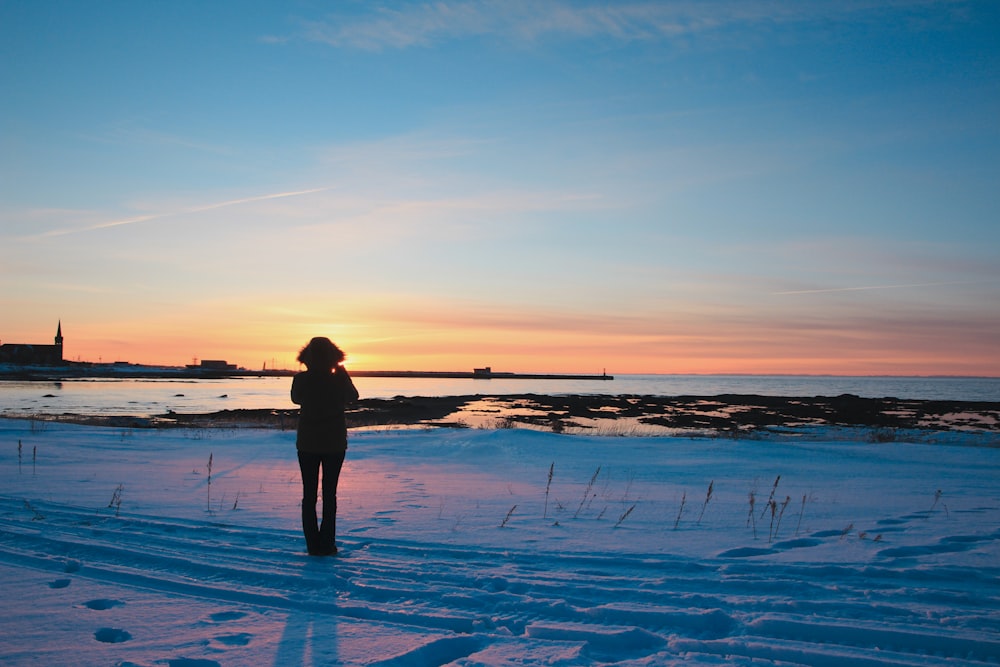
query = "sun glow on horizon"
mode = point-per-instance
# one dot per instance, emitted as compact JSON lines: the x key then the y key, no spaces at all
{"x":527,"y":351}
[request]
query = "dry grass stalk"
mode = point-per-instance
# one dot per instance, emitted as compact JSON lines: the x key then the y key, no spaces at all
{"x":773,"y":506}
{"x":116,"y":499}
{"x":586,"y":493}
{"x":770,"y":498}
{"x":801,"y":511}
{"x":38,"y":516}
{"x":784,"y":506}
{"x":548,"y":485}
{"x":507,"y":518}
{"x":208,"y":498}
{"x":624,"y":516}
{"x":680,"y":511}
{"x":708,"y":496}
{"x":937,"y":499}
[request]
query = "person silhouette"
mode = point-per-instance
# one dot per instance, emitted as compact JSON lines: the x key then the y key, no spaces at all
{"x":322,"y":391}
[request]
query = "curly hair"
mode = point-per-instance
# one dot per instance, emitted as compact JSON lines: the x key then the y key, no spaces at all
{"x":320,"y":354}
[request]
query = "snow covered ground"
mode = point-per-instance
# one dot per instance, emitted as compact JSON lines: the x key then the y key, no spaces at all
{"x":499,"y":547}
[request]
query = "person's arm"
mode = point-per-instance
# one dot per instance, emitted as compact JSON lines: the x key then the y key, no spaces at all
{"x":296,"y":390}
{"x":350,"y":391}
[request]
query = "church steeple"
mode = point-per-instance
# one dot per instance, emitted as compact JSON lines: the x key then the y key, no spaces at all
{"x":59,"y":339}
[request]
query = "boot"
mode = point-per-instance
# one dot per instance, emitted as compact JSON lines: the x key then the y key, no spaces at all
{"x":311,"y":533}
{"x":327,"y":537}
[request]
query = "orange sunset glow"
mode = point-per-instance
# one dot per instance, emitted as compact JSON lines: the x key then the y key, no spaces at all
{"x":551,"y":343}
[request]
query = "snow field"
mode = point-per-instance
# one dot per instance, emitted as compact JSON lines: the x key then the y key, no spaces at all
{"x":453,"y":552}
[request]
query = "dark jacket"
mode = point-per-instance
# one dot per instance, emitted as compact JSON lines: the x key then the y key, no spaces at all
{"x":322,"y":395}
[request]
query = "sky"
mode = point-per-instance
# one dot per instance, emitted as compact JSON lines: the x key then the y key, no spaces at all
{"x":728,"y":186}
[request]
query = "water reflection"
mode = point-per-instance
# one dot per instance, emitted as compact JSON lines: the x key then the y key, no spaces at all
{"x":145,"y":398}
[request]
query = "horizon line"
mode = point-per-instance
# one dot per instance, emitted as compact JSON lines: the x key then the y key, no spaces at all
{"x":501,"y":373}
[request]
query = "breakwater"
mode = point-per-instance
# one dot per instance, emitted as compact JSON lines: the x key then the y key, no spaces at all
{"x":479,"y":374}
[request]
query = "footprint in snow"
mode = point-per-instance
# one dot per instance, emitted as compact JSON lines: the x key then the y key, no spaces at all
{"x":828,"y":533}
{"x":222,"y":616}
{"x":72,"y":566}
{"x":192,"y":662}
{"x":112,"y":635}
{"x":102,"y":604}
{"x":946,"y":545}
{"x":890,"y":522}
{"x":239,"y":639}
{"x":975,"y":510}
{"x":59,"y":583}
{"x":745,"y":552}
{"x":798,"y":543}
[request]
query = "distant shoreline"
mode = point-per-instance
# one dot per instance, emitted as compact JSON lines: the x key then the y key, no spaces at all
{"x":140,"y":372}
{"x":481,"y":375}
{"x":84,"y":370}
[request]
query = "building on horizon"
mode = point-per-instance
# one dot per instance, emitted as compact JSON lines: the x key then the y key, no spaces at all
{"x":212,"y":365}
{"x":29,"y":354}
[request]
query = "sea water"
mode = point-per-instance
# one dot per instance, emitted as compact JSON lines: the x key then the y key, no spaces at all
{"x":144,"y":398}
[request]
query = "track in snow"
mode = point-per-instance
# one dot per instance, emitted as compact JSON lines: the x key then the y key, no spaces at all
{"x":735,"y":608}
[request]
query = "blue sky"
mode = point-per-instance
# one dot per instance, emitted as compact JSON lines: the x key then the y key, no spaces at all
{"x":567,"y":186}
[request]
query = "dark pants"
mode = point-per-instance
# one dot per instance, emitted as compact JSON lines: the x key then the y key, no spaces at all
{"x":321,"y":539}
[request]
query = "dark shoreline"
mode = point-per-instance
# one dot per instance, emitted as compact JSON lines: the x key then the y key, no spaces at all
{"x":79,"y":371}
{"x":732,"y":414}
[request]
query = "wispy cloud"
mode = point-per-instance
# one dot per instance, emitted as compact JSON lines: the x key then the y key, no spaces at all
{"x":424,"y":24}
{"x":874,"y":287}
{"x":171,"y":214}
{"x":527,"y":21}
